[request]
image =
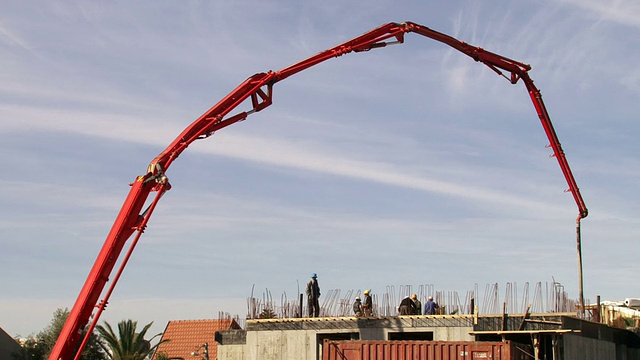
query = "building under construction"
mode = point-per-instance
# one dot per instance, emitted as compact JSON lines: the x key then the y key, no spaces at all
{"x":531,"y":325}
{"x":461,"y":330}
{"x":431,"y":337}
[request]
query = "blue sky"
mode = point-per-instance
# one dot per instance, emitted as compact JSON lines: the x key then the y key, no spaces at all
{"x":410,"y":164}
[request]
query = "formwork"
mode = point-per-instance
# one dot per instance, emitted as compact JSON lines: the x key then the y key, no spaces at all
{"x":424,"y":350}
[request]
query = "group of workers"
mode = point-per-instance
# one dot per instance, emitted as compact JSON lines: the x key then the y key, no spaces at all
{"x":366,"y":308}
{"x":408,"y":305}
{"x":413,"y":306}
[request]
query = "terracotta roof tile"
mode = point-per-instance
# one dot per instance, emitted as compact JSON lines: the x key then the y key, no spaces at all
{"x":187,"y":336}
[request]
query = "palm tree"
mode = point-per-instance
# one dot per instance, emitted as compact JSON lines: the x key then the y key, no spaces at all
{"x":129,"y":345}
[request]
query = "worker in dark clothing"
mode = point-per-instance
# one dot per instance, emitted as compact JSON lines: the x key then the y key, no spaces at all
{"x":367,"y":307}
{"x":357,"y":307}
{"x":407,"y":307}
{"x":313,"y":296}
{"x":414,"y":297}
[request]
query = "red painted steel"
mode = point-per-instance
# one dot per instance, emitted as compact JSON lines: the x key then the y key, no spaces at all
{"x":258,"y":88}
{"x":423,"y":350}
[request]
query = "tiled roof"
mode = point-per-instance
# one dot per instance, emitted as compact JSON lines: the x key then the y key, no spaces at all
{"x":188,"y":336}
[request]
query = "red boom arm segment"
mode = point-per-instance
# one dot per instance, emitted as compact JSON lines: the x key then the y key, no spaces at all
{"x":259,"y":88}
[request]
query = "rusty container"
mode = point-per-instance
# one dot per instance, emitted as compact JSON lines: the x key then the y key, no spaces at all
{"x":423,"y":350}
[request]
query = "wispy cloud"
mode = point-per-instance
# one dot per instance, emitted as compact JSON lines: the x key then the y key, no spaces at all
{"x":623,"y":12}
{"x":10,"y":38}
{"x":273,"y":151}
{"x":293,"y":155}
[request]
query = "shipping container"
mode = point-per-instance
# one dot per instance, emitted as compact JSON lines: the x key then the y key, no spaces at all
{"x":424,"y":350}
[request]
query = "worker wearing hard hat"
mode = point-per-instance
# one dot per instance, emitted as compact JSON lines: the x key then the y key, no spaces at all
{"x":313,"y":295}
{"x":407,"y":306}
{"x":357,"y":307}
{"x":418,"y":310}
{"x":430,"y":306}
{"x":367,"y":307}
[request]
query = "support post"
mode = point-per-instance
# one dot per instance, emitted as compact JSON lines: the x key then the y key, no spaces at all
{"x":504,"y":316}
{"x":580,"y":277}
{"x":300,"y":307}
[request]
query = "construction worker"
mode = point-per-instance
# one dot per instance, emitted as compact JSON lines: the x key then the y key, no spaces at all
{"x":430,"y":306}
{"x":407,"y":307}
{"x":313,"y":296}
{"x":357,"y":307}
{"x":414,"y":297}
{"x":367,"y":307}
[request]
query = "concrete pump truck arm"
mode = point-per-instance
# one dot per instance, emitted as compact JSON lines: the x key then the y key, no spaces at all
{"x":132,"y":219}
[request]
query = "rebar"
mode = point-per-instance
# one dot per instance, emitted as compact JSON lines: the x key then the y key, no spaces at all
{"x":386,"y":303}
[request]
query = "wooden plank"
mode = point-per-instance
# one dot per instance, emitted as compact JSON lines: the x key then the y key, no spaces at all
{"x":524,"y":319}
{"x":504,"y":316}
{"x":512,"y":332}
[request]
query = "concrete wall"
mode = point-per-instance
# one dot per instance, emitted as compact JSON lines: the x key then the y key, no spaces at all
{"x":232,"y":352}
{"x":281,"y":345}
{"x":439,"y":333}
{"x":303,"y":344}
{"x":303,"y":339}
{"x":581,"y":348}
{"x":453,"y":334}
{"x":632,"y":354}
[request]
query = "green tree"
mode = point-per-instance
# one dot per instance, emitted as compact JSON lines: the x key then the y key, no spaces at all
{"x":127,"y":345}
{"x":39,"y":347}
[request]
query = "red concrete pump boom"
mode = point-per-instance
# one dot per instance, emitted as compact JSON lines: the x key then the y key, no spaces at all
{"x":259,"y":88}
